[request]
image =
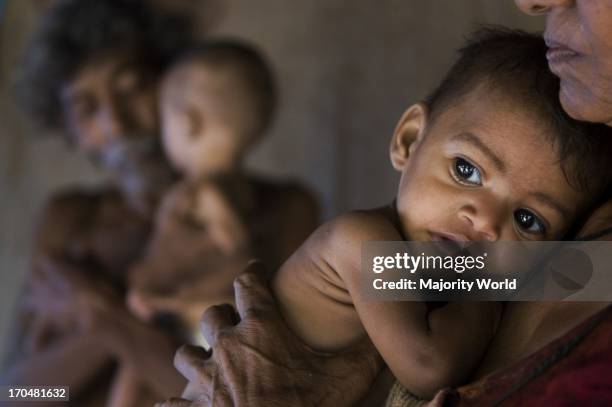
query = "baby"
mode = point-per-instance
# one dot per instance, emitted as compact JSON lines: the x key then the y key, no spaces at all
{"x":216,"y":102}
{"x":489,"y":156}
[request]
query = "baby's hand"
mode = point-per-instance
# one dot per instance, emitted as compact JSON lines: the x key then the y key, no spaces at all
{"x":187,"y":302}
{"x":139,"y":303}
{"x":224,"y":225}
{"x":598,"y":221}
{"x":176,"y":207}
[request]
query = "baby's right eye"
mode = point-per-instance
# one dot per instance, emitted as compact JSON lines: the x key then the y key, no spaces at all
{"x":466,"y":172}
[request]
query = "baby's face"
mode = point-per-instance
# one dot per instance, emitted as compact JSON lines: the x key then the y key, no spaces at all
{"x":484,"y":170}
{"x":194,"y":104}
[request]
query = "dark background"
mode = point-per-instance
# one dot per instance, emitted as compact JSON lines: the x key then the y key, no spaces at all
{"x":347,"y":69}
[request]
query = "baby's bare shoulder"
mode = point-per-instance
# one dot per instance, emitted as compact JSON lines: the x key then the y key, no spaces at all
{"x":360,"y":226}
{"x":339,"y":241}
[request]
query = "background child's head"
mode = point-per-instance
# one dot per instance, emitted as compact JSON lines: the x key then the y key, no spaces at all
{"x":216,"y":101}
{"x":491,"y":155}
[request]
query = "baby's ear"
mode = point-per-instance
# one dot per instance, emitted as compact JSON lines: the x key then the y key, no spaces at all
{"x":408,"y":134}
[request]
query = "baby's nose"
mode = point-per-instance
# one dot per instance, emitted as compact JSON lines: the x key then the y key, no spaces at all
{"x":483,"y":223}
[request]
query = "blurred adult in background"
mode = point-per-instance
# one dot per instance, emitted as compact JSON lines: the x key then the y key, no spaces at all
{"x":91,"y":72}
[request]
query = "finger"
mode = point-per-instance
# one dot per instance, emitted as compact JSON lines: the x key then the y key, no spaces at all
{"x":445,"y":397}
{"x":175,"y":402}
{"x":193,"y":391}
{"x":221,"y":398}
{"x":252,"y":291}
{"x":190,"y":361}
{"x":139,"y":304}
{"x":216,"y":319}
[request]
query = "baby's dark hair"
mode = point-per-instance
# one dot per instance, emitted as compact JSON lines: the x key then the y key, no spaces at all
{"x":71,"y":32}
{"x":514,"y":62}
{"x":249,"y":64}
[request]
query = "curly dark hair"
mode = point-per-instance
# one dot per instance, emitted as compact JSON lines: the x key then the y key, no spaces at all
{"x":515,"y":62}
{"x":72,"y":31}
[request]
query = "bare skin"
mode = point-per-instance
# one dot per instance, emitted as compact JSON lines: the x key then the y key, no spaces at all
{"x":524,"y":328}
{"x":261,"y":333}
{"x":318,"y":287}
{"x":70,"y":302}
{"x":579,"y":37}
{"x":190,"y":266}
{"x":527,"y":326}
{"x":87,"y":240}
{"x":280,"y":369}
{"x":319,"y":292}
{"x":221,"y":215}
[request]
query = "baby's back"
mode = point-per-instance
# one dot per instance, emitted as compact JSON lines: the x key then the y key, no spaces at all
{"x":313,"y":287}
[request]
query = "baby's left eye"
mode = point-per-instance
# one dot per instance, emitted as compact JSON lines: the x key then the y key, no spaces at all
{"x":529,"y":222}
{"x":466,"y":172}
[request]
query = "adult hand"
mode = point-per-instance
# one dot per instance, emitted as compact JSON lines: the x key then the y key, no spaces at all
{"x":203,"y":204}
{"x":199,"y":246}
{"x":257,"y":361}
{"x":185,"y":238}
{"x":177,"y":246}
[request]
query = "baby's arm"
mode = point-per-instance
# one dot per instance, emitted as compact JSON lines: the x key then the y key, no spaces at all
{"x":319,"y":290}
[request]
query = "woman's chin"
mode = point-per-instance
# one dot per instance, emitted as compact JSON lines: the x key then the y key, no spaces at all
{"x":584,"y":107}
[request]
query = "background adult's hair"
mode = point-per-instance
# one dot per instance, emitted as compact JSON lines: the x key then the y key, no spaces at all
{"x":73,"y":31}
{"x":514,"y":62}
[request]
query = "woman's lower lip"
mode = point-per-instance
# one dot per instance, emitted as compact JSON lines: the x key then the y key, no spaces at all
{"x":560,"y":55}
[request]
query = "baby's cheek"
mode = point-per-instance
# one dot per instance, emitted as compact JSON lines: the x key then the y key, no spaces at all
{"x":431,"y":202}
{"x":415,"y":202}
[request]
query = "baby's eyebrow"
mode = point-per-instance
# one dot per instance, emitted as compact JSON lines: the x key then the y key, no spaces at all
{"x":478,"y":143}
{"x":553,"y":203}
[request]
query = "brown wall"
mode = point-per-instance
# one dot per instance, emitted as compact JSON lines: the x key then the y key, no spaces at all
{"x":347,"y":70}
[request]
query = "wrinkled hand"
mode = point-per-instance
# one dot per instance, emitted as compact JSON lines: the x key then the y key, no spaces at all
{"x":257,"y":361}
